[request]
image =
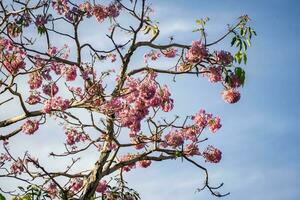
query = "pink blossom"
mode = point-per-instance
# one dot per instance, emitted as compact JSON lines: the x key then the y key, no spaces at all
{"x":40,"y":20}
{"x":52,"y":51}
{"x":214,"y":124}
{"x":191,"y":150}
{"x":174,"y":138}
{"x":235,"y":81}
{"x":33,"y":99}
{"x":212,"y":154}
{"x":144,"y":163}
{"x":35,"y":80}
{"x":113,"y":10}
{"x":200,"y":118}
{"x":215,"y":74}
{"x":153,"y":55}
{"x":87,"y":8}
{"x":76,"y":185}
{"x":231,"y":95}
{"x":50,"y":89}
{"x":223,"y":57}
{"x":73,"y":137}
{"x":170,"y":53}
{"x":130,"y":166}
{"x":61,"y":6}
{"x":100,"y":13}
{"x":56,"y":103}
{"x":102,"y":186}
{"x":197,"y":52}
{"x":52,"y":190}
{"x":17,"y":167}
{"x":29,"y":127}
{"x":69,"y":72}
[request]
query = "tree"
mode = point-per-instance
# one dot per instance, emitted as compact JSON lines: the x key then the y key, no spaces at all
{"x":69,"y":84}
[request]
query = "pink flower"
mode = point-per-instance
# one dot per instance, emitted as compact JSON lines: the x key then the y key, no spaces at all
{"x":17,"y":167}
{"x":50,"y":89}
{"x":52,"y":51}
{"x":35,"y":80}
{"x":214,"y":74}
{"x":76,"y":185}
{"x":87,"y":8}
{"x":113,"y":10}
{"x":197,"y":52}
{"x":130,"y":166}
{"x":174,"y":139}
{"x":153,"y":55}
{"x":52,"y":190}
{"x":102,"y":187}
{"x":214,"y":124}
{"x":223,"y":57}
{"x":200,"y":118}
{"x":33,"y":99}
{"x":100,"y":13}
{"x":144,"y":163}
{"x":191,"y":150}
{"x":231,"y":95}
{"x":212,"y":154}
{"x":29,"y":127}
{"x":56,"y":103}
{"x":69,"y":72}
{"x":73,"y":137}
{"x":170,"y":53}
{"x":61,"y":6}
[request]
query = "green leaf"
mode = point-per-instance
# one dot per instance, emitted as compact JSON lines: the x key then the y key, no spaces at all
{"x":248,"y":42}
{"x":233,"y":40}
{"x":2,"y":197}
{"x":245,"y":58}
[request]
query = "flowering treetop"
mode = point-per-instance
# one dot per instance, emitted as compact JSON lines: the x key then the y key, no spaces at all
{"x":71,"y":84}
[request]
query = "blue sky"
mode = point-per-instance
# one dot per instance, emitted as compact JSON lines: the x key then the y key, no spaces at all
{"x":260,"y":135}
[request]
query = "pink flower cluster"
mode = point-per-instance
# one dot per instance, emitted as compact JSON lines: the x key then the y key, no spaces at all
{"x":56,"y":103}
{"x":141,"y":163}
{"x":152,"y":55}
{"x":50,"y":89}
{"x":144,"y":163}
{"x":197,"y":52}
{"x":231,"y":95}
{"x":140,"y":96}
{"x":33,"y":99}
{"x":102,"y":12}
{"x":29,"y":127}
{"x":17,"y":167}
{"x":87,"y":8}
{"x":191,"y":150}
{"x":174,"y":138}
{"x":102,"y":187}
{"x":73,"y":137}
{"x":4,"y":157}
{"x":223,"y":57}
{"x":177,"y":138}
{"x":130,"y":166}
{"x":52,"y":51}
{"x":203,"y":119}
{"x":69,"y":72}
{"x":35,"y":80}
{"x":61,"y":6}
{"x":52,"y":190}
{"x":212,"y":154}
{"x":215,"y":74}
{"x":11,"y":56}
{"x":170,"y":53}
{"x":76,"y":185}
